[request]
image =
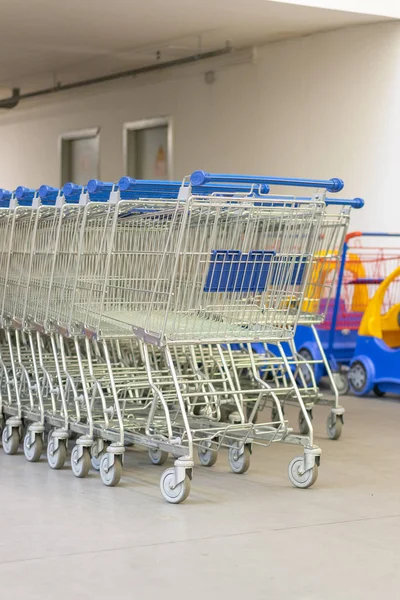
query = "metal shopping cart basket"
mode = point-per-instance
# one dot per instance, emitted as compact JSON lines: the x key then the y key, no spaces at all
{"x":305,"y":352}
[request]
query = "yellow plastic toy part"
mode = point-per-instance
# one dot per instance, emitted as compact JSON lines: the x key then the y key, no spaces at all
{"x":385,"y":327}
{"x":355,"y":266}
{"x":321,"y":269}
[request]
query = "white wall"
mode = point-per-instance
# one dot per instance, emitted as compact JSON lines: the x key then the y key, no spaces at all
{"x":323,"y":106}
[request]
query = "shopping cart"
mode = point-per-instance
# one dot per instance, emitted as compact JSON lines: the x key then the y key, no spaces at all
{"x":364,"y":265}
{"x":136,"y":286}
{"x":313,"y":312}
{"x":6,"y":373}
{"x":16,"y":355}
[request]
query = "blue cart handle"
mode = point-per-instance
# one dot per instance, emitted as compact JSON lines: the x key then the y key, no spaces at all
{"x":24,"y":193}
{"x":130,"y":184}
{"x":72,"y":189}
{"x":201,"y":177}
{"x":5,"y":194}
{"x":354,"y":203}
{"x":46,"y":191}
{"x":94,"y":186}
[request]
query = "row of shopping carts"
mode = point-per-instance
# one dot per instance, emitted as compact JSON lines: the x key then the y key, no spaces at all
{"x":162,"y":315}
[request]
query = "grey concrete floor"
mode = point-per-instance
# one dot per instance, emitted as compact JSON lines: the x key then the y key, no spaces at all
{"x":237,"y":536}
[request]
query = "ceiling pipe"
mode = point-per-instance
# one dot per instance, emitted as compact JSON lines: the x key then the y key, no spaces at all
{"x":16,"y":97}
{"x":12,"y":101}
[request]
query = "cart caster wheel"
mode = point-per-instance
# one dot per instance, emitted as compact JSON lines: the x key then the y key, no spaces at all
{"x":177,"y":494}
{"x":10,"y":444}
{"x":298,"y":477}
{"x":56,"y":457}
{"x":249,"y":410}
{"x":303,"y":425}
{"x":48,"y":434}
{"x":334,"y":426}
{"x":80,"y":466}
{"x":378,"y":392}
{"x":96,"y":460}
{"x":239,"y":463}
{"x":33,"y":451}
{"x":207,"y":455}
{"x":110,"y":474}
{"x":21,"y":432}
{"x":275,"y":415}
{"x":157,"y":456}
{"x":342,"y":383}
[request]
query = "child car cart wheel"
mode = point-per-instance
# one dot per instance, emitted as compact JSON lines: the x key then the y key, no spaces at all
{"x":334,"y":424}
{"x":158,"y":456}
{"x":313,"y":370}
{"x":10,"y":440}
{"x":175,"y":494}
{"x":305,"y":369}
{"x":33,"y":449}
{"x":56,"y":456}
{"x":80,"y":465}
{"x":361,"y":383}
{"x":239,"y":459}
{"x":207,"y":455}
{"x":110,"y":473}
{"x":341,"y":382}
{"x":300,"y":478}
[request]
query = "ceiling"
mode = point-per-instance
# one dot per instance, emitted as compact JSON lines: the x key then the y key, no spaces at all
{"x":46,"y":41}
{"x":384,"y":8}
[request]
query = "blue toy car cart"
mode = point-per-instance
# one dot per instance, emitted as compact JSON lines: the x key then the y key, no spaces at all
{"x":363,"y":267}
{"x":376,"y":361}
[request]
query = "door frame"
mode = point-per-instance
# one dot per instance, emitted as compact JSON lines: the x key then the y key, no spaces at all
{"x":79,"y":134}
{"x":148,"y":124}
